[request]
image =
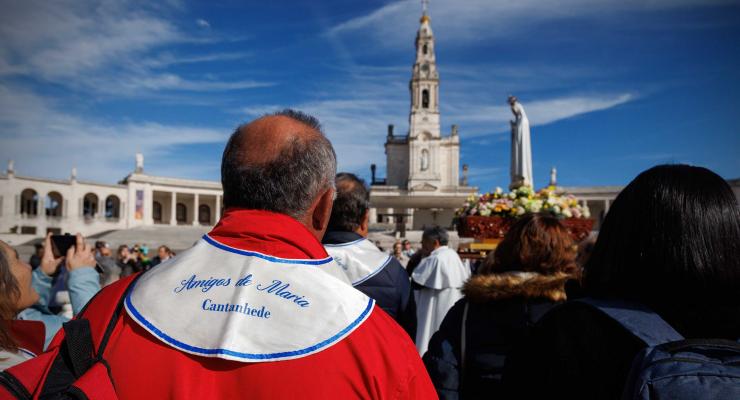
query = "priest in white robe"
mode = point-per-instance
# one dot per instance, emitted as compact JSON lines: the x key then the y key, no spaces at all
{"x":437,"y":280}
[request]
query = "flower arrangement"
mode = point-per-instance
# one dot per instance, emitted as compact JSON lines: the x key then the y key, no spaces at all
{"x":521,"y":201}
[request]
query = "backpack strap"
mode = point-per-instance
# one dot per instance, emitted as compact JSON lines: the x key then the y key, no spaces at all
{"x":77,"y":352}
{"x":639,"y":320}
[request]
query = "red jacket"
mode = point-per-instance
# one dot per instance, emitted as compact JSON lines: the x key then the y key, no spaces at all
{"x":377,"y":360}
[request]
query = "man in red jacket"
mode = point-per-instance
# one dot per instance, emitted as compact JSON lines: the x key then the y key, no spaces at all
{"x":253,"y":309}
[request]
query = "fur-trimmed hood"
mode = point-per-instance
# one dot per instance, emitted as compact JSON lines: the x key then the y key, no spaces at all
{"x":527,"y":285}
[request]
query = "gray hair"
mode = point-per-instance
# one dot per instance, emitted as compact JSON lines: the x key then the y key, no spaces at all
{"x":290,"y":182}
{"x":436,"y":233}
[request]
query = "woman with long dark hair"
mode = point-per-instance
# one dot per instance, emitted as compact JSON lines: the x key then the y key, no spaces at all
{"x":16,"y":293}
{"x":524,"y":279}
{"x":671,"y":243}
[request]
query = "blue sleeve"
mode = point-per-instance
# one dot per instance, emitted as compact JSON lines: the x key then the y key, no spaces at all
{"x":407,"y":306}
{"x":42,"y":285}
{"x":52,"y":323}
{"x":83,"y":283}
{"x":442,"y":358}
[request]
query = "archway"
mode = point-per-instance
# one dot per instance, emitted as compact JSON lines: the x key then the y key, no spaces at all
{"x":204,"y":214}
{"x":112,"y":207}
{"x":53,"y":204}
{"x":182,"y":213}
{"x":90,"y":205}
{"x":29,"y":202}
{"x":157,"y":211}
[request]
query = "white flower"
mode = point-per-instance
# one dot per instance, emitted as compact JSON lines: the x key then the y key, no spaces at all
{"x":586,"y":212}
{"x":567,"y":213}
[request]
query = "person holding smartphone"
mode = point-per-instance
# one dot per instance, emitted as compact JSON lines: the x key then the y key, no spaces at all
{"x":82,"y":283}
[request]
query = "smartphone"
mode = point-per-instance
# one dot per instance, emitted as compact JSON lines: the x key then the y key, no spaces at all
{"x":61,"y":243}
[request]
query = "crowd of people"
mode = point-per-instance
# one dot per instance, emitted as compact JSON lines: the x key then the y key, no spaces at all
{"x":286,"y":297}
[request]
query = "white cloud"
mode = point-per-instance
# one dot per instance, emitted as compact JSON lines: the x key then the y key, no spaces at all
{"x":202,"y":23}
{"x":101,"y":46}
{"x":542,"y":112}
{"x":167,"y":59}
{"x":44,"y":140}
{"x":472,"y":20}
{"x":135,"y":84}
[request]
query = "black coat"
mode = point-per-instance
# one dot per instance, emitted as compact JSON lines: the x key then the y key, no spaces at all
{"x":502,"y":308}
{"x":390,"y":288}
{"x":576,"y":352}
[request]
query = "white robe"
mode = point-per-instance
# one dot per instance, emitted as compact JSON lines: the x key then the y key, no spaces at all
{"x":442,"y":274}
{"x":521,"y":148}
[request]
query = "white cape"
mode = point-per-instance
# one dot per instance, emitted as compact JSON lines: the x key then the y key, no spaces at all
{"x":359,"y":259}
{"x":442,"y":274}
{"x":218,"y":301}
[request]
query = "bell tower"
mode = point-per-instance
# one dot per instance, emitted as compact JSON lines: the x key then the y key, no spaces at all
{"x":426,"y":156}
{"x":424,"y":85}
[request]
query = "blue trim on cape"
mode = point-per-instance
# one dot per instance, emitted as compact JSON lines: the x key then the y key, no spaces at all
{"x":248,"y":356}
{"x":230,"y":249}
{"x":372,"y":274}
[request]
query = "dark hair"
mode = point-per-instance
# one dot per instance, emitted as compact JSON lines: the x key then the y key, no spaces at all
{"x":436,"y":233}
{"x":535,"y":243}
{"x":672,"y":236}
{"x":290,"y":182}
{"x":351,"y":203}
{"x":9,"y":295}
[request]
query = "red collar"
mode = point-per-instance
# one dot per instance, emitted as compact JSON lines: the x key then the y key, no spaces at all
{"x":268,"y":233}
{"x":28,"y":334}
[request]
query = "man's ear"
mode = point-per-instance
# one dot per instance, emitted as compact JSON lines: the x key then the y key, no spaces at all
{"x":364,"y":225}
{"x":322,"y":212}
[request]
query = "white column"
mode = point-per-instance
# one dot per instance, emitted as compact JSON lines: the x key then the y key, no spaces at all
{"x":195,"y":208}
{"x":606,"y":206}
{"x":217,"y":215}
{"x":173,"y":208}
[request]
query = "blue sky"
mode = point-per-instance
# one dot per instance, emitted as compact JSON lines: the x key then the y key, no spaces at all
{"x":611,"y":87}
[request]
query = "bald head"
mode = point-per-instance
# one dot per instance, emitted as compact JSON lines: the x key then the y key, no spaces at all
{"x":264,"y":139}
{"x":280,"y":162}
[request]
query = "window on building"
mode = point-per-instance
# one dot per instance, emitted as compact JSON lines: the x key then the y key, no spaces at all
{"x":29,"y":202}
{"x":112,"y":207}
{"x":90,"y":205}
{"x":157,"y":211}
{"x":53,"y":204}
{"x":182,"y":213}
{"x":204,"y":214}
{"x":425,"y":98}
{"x":424,"y":49}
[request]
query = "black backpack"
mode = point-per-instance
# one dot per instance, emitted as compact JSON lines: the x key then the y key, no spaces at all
{"x":671,"y":367}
